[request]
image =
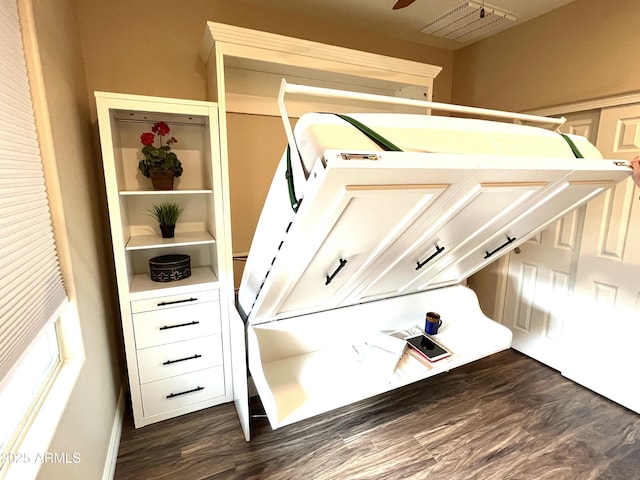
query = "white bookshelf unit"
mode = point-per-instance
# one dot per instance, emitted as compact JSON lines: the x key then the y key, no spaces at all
{"x":176,"y":333}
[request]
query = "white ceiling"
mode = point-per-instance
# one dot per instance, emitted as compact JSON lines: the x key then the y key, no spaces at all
{"x":406,"y":23}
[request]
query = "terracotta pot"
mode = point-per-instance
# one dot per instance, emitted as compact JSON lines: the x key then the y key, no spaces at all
{"x":162,"y":179}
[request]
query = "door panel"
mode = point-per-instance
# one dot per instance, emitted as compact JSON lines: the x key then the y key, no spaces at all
{"x":542,"y":272}
{"x":607,"y":293}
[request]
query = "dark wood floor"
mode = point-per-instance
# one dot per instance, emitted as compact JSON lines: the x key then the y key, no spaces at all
{"x":503,"y":417}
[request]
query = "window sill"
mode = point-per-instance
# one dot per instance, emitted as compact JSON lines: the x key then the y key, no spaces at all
{"x":32,"y":449}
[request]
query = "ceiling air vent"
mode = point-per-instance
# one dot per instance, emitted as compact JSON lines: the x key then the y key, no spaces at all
{"x":470,"y":21}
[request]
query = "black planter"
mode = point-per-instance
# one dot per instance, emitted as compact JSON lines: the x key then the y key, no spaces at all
{"x":168,"y":231}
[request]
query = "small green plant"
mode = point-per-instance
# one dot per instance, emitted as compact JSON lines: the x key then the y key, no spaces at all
{"x":166,"y":213}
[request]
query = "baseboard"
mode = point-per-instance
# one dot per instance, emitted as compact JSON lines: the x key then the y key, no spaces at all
{"x":114,"y":441}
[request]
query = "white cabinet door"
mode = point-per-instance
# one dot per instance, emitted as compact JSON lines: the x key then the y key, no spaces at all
{"x":602,"y":336}
{"x":541,"y":274}
{"x":571,"y":194}
{"x":353,"y":212}
{"x":419,"y":261}
{"x":354,"y":240}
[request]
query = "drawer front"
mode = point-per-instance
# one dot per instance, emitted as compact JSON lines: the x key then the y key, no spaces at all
{"x":156,"y":363}
{"x":177,"y":392}
{"x":172,"y":301}
{"x":176,"y":324}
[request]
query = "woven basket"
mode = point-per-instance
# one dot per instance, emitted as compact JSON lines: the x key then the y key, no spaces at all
{"x":169,"y":268}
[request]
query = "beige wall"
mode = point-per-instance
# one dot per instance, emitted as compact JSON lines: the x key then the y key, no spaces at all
{"x":587,"y":49}
{"x":150,"y":48}
{"x":251,"y":176}
{"x":86,"y":425}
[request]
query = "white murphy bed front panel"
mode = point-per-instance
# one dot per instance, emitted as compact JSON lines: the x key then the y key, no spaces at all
{"x":380,"y":238}
{"x":387,"y":217}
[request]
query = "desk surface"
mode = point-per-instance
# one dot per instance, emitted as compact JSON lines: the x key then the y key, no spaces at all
{"x":306,"y":366}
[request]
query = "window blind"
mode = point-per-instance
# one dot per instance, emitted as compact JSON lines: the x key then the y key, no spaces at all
{"x":31,"y":287}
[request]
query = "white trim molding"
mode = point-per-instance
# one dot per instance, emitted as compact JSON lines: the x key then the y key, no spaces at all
{"x":114,"y":441}
{"x":593,"y":104}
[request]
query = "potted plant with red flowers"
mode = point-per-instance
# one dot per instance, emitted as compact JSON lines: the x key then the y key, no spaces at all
{"x":159,"y":164}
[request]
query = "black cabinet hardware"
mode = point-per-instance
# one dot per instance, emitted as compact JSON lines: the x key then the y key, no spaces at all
{"x":438,"y":251}
{"x":164,"y":304}
{"x":173,"y":395}
{"x":330,"y":278}
{"x":167,"y":327}
{"x":193,"y":357}
{"x":509,"y":241}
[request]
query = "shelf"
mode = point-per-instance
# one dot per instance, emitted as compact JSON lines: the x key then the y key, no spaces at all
{"x":142,"y":242}
{"x":164,"y":192}
{"x":201,"y":234}
{"x":142,"y":284}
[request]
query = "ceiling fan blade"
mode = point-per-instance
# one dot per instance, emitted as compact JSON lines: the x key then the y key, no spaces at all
{"x":402,"y":3}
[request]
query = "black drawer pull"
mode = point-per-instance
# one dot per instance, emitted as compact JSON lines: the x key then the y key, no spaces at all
{"x":167,"y":327}
{"x":193,"y":357}
{"x":509,"y":241}
{"x":330,"y":278}
{"x":164,"y":304}
{"x":438,"y":251}
{"x":173,"y":395}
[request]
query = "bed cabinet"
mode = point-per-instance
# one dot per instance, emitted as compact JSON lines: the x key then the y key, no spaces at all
{"x":304,"y":352}
{"x":245,"y":68}
{"x":244,"y":73}
{"x":379,"y":237}
{"x":176,"y":333}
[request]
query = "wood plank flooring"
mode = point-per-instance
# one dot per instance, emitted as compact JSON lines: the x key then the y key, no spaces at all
{"x":502,"y":417}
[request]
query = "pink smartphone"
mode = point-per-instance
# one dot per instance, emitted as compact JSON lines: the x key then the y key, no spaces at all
{"x":428,"y":348}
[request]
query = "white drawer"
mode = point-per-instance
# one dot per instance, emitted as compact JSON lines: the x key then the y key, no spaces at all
{"x":173,"y":301}
{"x":177,"y":392}
{"x":176,"y":324}
{"x":174,"y":359}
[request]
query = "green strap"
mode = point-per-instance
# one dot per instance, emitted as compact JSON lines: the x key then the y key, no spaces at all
{"x":378,"y":139}
{"x":383,"y":143}
{"x":572,"y":145}
{"x":295,"y":203}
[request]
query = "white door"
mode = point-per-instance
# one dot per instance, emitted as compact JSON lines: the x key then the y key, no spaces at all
{"x":603,"y":333}
{"x":541,"y":274}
